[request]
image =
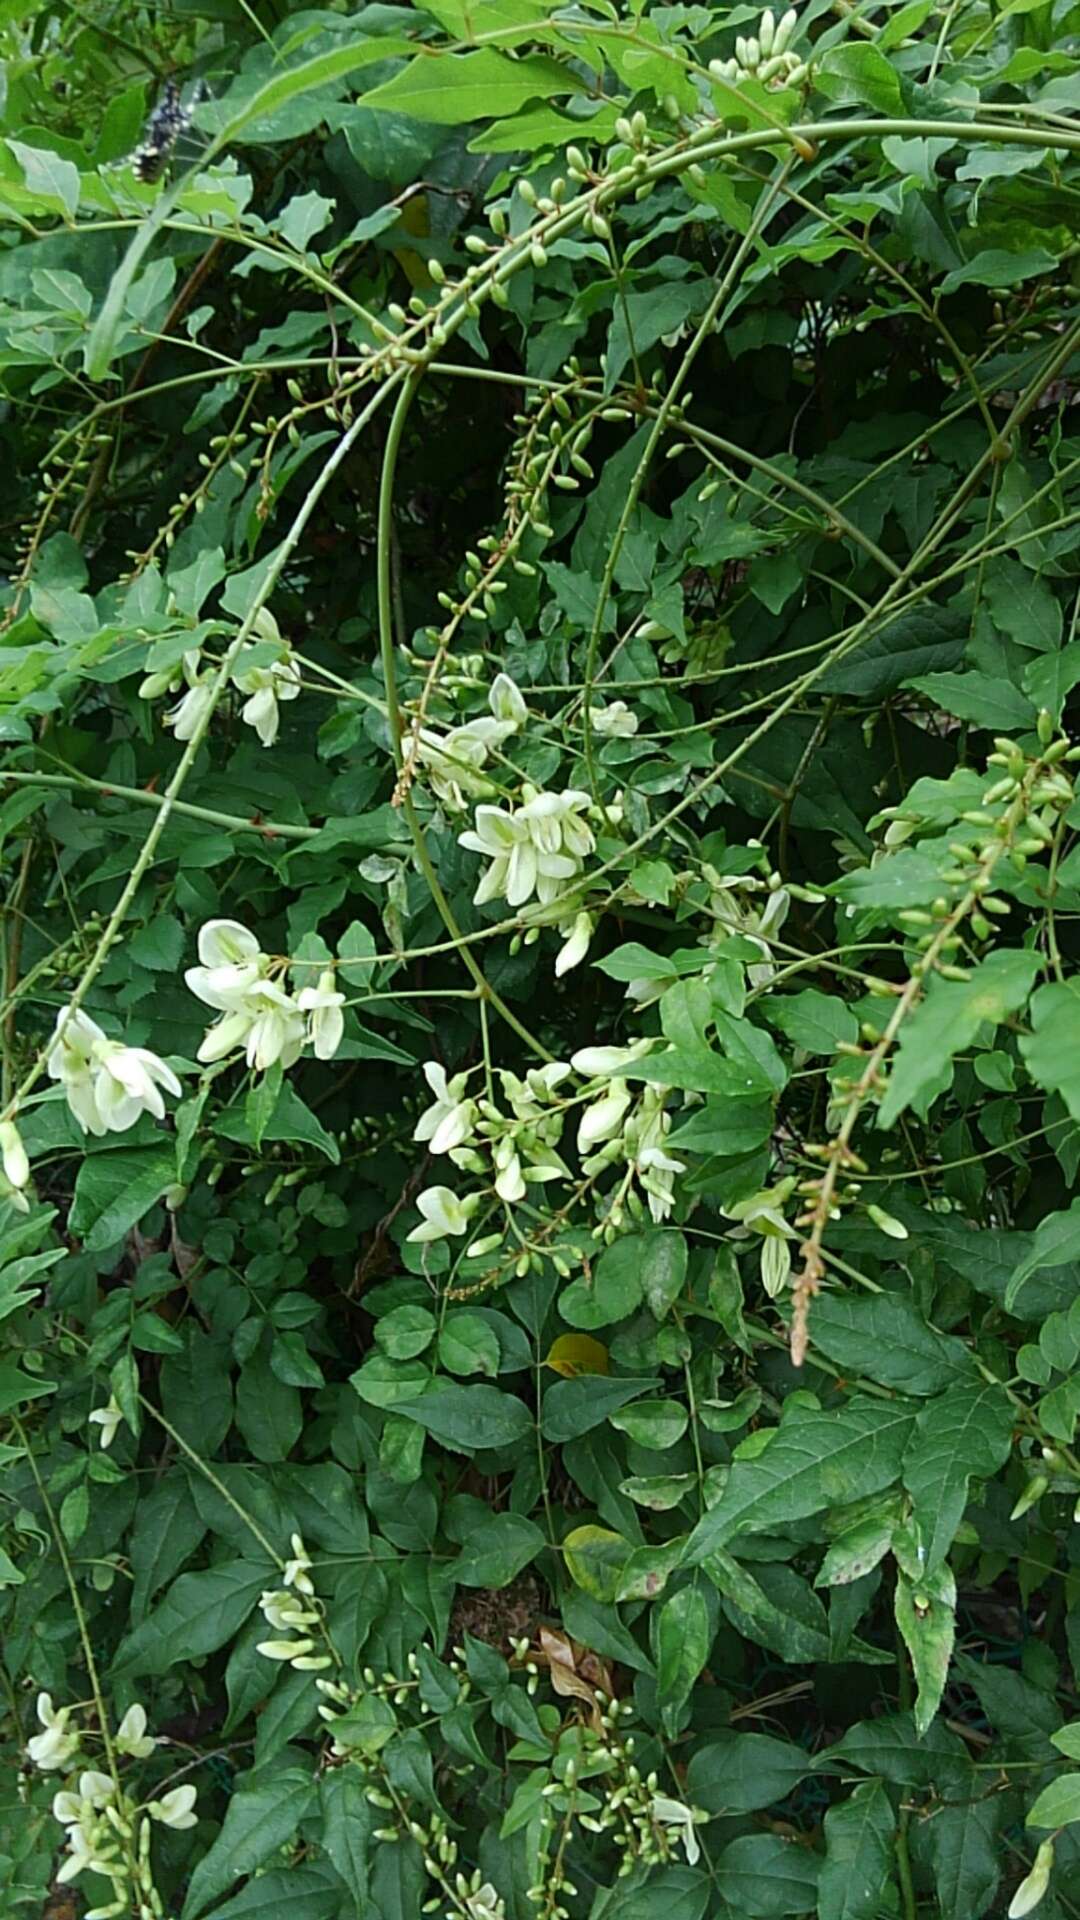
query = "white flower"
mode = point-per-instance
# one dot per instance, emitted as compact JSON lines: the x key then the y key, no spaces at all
{"x":616,"y":720}
{"x":231,"y":963}
{"x":96,"y":1789}
{"x":107,"y":1084}
{"x":326,"y":1025}
{"x":56,"y":1746}
{"x":507,"y":702}
{"x":449,"y":1121}
{"x":296,"y":1572}
{"x":187,"y":717}
{"x":284,"y":1612}
{"x":593,"y":1061}
{"x":658,"y":1170}
{"x":127,"y":1084}
{"x":672,"y":1813}
{"x":224,"y":1037}
{"x":15,"y":1163}
{"x":575,"y":946}
{"x":603,"y":1119}
{"x":167,"y":679}
{"x":131,"y":1734}
{"x":1031,"y":1889}
{"x":276,"y":1031}
{"x":175,"y":1809}
{"x":108,"y":1418}
{"x":284,"y":1649}
{"x":443,"y":1214}
{"x":67,"y":1808}
{"x":509,"y":1184}
{"x":485,"y":1904}
{"x":454,"y":760}
{"x":80,"y":1853}
{"x":535,"y":849}
{"x":268,"y":685}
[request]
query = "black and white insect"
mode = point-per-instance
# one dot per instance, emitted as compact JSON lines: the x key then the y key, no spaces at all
{"x":168,"y":121}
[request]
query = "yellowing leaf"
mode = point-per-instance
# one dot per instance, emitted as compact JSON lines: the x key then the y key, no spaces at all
{"x":595,"y":1558}
{"x":574,"y":1353}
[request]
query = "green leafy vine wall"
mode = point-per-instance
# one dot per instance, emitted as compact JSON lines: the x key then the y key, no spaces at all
{"x":540,"y":1112}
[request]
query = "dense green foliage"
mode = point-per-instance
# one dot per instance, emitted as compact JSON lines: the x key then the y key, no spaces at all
{"x":541,"y":1021}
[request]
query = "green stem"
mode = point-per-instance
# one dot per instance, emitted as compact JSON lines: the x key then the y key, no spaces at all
{"x":384,"y":584}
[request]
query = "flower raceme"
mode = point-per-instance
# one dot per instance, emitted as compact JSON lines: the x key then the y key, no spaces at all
{"x":535,"y":849}
{"x":234,"y":977}
{"x":265,"y":672}
{"x":453,"y":761}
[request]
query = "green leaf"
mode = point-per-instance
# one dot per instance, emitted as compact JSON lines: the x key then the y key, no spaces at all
{"x":576,"y":1406}
{"x":467,"y":1344}
{"x":858,"y":1855}
{"x":683,"y":1634}
{"x":815,"y":1460}
{"x":926,"y":1616}
{"x":1049,"y":680}
{"x":663,"y":1259}
{"x":967,"y":1431}
{"x":1051,"y":1052}
{"x":947,"y":1022}
{"x":48,"y":177}
{"x":679,"y":1893}
{"x":348,"y":1820}
{"x":993,"y":267}
{"x":817,"y":1022}
{"x":1058,"y":1804}
{"x":452,"y":88}
{"x":743,"y":1772}
{"x":269,"y":1413}
{"x":858,"y":72}
{"x":963,"y":1853}
{"x":471,"y":1418}
{"x":498,"y":1550}
{"x":764,"y":1875}
{"x":286,"y":1893}
{"x":657,"y":1424}
{"x":259,"y":1819}
{"x":979,"y":699}
{"x":114,"y":1188}
{"x":17,"y":1386}
{"x":613,"y":1290}
{"x":882,"y":1336}
{"x":200,"y":1612}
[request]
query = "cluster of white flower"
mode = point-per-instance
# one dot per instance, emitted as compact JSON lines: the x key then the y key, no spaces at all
{"x":518,"y":1149}
{"x":536,"y":848}
{"x":235,"y":978}
{"x":292,"y":1608}
{"x":454,"y":760}
{"x":105,"y":1830}
{"x":765,"y":56}
{"x":265,"y":681}
{"x":107,"y":1085}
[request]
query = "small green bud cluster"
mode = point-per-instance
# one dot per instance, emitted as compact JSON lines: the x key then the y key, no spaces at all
{"x":765,"y":56}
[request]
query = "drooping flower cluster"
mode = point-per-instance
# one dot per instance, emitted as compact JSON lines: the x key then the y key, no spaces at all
{"x":258,"y":1014}
{"x":265,"y":679}
{"x":107,"y":1085}
{"x":535,"y":849}
{"x":292,"y":1608}
{"x":106,"y":1831}
{"x":454,"y":760}
{"x":517,"y":1147}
